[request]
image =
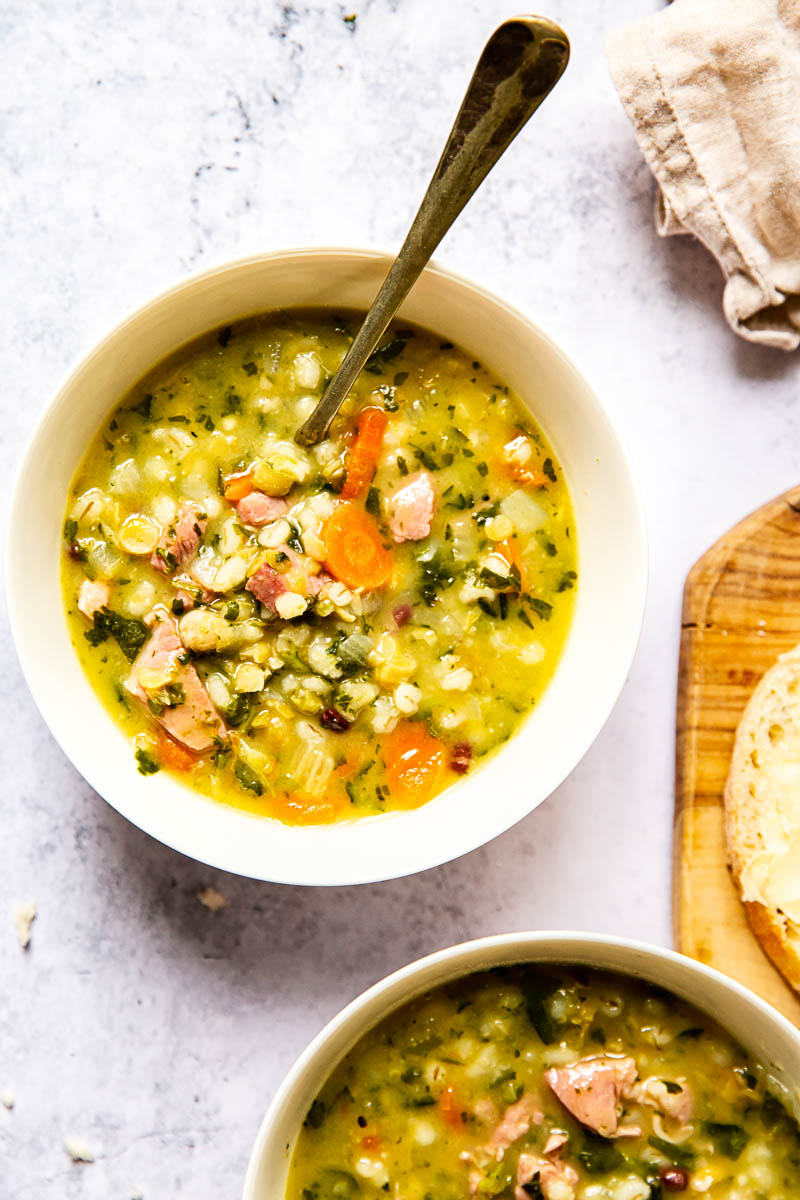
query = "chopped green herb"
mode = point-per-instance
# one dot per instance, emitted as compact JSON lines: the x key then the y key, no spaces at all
{"x":425,"y":456}
{"x":485,"y":514}
{"x":540,"y":607}
{"x":294,"y":542}
{"x":315,"y":1115}
{"x":168,"y":558}
{"x":598,"y":1155}
{"x":145,"y":763}
{"x":129,"y":634}
{"x":437,"y":572}
{"x":729,"y":1140}
{"x":247,"y":778}
{"x":145,"y":407}
{"x":681,"y":1156}
{"x":377,"y":361}
{"x":373,"y":501}
{"x":239,"y":709}
{"x":537,"y":994}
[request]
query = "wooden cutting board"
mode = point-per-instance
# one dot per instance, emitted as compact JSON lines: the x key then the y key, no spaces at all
{"x":741,"y":609}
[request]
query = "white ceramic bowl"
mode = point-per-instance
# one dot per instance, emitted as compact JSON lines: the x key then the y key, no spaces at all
{"x":769,"y":1037}
{"x":609,"y":607}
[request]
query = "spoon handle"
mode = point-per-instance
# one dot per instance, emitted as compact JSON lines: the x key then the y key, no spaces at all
{"x":520,"y":64}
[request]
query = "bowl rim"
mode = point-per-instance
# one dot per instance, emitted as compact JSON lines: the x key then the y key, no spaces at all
{"x":471,"y":837}
{"x":518,"y":947}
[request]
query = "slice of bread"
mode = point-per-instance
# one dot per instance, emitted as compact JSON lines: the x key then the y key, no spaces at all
{"x":762,"y":808}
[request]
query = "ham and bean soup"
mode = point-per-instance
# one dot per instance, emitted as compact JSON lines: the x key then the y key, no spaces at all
{"x":327,"y":633}
{"x":532,"y":1083}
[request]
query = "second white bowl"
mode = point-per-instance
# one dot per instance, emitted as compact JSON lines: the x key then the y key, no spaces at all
{"x":765,"y":1034}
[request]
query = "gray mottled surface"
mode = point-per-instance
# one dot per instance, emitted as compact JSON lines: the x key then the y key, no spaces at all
{"x":142,"y":141}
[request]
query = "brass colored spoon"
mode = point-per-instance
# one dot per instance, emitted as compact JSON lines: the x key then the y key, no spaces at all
{"x":521,"y":63}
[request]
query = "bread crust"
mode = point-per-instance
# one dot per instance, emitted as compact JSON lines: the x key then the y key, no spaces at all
{"x":775,"y":703}
{"x":770,"y":929}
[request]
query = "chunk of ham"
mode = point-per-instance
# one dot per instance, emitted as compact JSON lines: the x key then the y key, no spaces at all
{"x":194,"y":722}
{"x":410,"y":508}
{"x":558,"y":1180}
{"x":317,"y":582}
{"x":515,"y":1123}
{"x":93,"y":596}
{"x":259,"y":509}
{"x":266,"y":585}
{"x":179,"y":541}
{"x":591,"y":1090}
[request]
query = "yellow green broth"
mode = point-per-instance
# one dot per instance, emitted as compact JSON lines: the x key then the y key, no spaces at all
{"x":471,"y":661}
{"x":419,"y":1107}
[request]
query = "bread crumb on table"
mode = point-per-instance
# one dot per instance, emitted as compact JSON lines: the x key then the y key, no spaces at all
{"x":212,"y":899}
{"x":24,"y":916}
{"x":78,"y":1150}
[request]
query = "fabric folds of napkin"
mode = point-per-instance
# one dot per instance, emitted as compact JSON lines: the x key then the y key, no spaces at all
{"x":712,"y":88}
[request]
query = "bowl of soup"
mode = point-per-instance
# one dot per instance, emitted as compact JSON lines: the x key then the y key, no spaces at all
{"x":317,"y":665}
{"x":559,"y":1066}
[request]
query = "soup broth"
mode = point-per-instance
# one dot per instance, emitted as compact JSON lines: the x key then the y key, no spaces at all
{"x":319,"y":634}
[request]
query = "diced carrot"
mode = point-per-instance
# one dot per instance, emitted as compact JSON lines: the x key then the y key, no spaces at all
{"x":414,"y":761}
{"x":354,"y":551}
{"x":345,"y":769}
{"x":527,"y":472}
{"x":300,"y":809}
{"x":236,"y":487}
{"x":364,"y":454}
{"x":171,"y":755}
{"x":509,"y":550}
{"x":451,"y":1108}
{"x":370,"y":1141}
{"x":527,"y":475}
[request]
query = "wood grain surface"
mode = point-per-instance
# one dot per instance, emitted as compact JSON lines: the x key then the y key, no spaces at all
{"x":741,"y":609}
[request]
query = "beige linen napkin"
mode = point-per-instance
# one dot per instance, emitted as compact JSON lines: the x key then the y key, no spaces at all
{"x":713,"y":90}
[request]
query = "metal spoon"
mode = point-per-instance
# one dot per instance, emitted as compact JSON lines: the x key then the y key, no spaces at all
{"x":521,"y":63}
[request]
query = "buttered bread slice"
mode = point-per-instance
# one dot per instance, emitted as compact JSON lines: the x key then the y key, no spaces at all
{"x":762,"y":804}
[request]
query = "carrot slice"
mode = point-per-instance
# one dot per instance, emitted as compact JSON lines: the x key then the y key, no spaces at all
{"x":527,"y":472}
{"x":299,"y":809}
{"x":451,"y":1108}
{"x":354,"y":551}
{"x":414,"y":761}
{"x":236,"y":487}
{"x":363,"y":457}
{"x":171,"y":755}
{"x":528,"y":476}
